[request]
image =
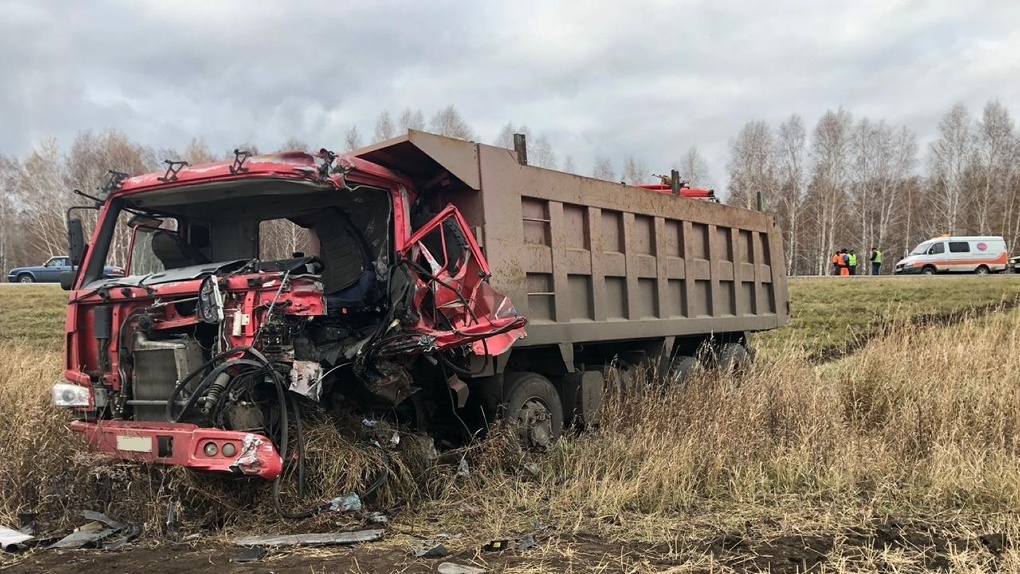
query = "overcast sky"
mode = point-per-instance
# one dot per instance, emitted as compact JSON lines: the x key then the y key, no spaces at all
{"x":612,"y":78}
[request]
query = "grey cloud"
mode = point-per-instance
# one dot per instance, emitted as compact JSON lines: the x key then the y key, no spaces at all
{"x":649,"y":79}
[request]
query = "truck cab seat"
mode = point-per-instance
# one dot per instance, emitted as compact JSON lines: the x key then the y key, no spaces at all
{"x":173,"y":252}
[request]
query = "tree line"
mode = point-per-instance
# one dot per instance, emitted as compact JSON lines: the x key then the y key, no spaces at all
{"x":857,"y":182}
{"x":849,"y":182}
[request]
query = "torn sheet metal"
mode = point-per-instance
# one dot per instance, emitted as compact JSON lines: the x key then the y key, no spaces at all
{"x":346,"y":503}
{"x":91,"y":534}
{"x":12,"y":540}
{"x":306,"y":379}
{"x":100,"y":517}
{"x":99,"y":528}
{"x":258,"y":457}
{"x":323,"y":539}
{"x":452,"y":568}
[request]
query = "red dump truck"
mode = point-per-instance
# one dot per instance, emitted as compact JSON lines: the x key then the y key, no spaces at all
{"x":443,"y":282}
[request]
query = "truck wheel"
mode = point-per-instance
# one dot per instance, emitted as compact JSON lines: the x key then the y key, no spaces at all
{"x":25,"y":278}
{"x":734,"y":358}
{"x":682,"y":369}
{"x":533,"y":404}
{"x":981,"y":270}
{"x":929,"y":270}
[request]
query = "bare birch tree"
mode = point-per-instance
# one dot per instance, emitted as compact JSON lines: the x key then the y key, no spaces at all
{"x":790,"y":163}
{"x":693,"y":168}
{"x":505,"y":139}
{"x":568,"y":164}
{"x":411,"y":120}
{"x":541,"y":154}
{"x":752,"y":165}
{"x":352,"y":139}
{"x":294,"y":144}
{"x":8,"y":210}
{"x":635,"y":171}
{"x":383,"y":128}
{"x":603,"y":169}
{"x":994,"y":162}
{"x":448,"y":122}
{"x":950,"y":156}
{"x":830,"y":150}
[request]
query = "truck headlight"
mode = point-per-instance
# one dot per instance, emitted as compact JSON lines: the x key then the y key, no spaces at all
{"x":70,"y":395}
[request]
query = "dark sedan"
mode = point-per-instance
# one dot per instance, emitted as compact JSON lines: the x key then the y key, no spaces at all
{"x":49,"y":272}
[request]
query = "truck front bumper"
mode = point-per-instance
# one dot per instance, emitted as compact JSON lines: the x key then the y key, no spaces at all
{"x":188,"y":445}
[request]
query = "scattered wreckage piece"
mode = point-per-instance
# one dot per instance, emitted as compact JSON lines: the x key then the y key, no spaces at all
{"x":101,"y":530}
{"x":453,"y":568}
{"x":13,"y":540}
{"x":430,"y":551}
{"x":249,"y":555}
{"x":320,"y":539}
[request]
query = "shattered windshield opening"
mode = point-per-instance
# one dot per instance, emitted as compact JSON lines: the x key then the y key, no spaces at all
{"x":177,"y":234}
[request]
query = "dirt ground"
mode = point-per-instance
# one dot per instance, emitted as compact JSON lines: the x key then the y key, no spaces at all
{"x":882,"y":547}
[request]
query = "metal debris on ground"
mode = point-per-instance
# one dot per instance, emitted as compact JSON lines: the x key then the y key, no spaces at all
{"x":171,"y":521}
{"x":430,"y":551}
{"x":527,"y":542}
{"x":496,"y":546}
{"x":13,"y":540}
{"x":462,"y":468}
{"x":369,"y":423}
{"x":321,"y":539}
{"x":250,"y":555}
{"x":102,"y":518}
{"x":378,"y":517}
{"x":346,"y":503}
{"x":99,"y":528}
{"x":452,"y":568}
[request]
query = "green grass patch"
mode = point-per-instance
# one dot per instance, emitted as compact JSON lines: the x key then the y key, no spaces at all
{"x":832,"y":316}
{"x":33,"y":314}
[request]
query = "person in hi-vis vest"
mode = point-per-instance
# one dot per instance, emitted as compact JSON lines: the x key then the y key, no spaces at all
{"x":876,"y":261}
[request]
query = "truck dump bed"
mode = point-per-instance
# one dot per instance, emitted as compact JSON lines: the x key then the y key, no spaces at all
{"x":588,"y":260}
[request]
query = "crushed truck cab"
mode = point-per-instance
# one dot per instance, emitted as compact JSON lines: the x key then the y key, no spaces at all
{"x":441,"y":282}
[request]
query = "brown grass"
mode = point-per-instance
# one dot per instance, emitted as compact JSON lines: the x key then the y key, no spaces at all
{"x":921,"y":422}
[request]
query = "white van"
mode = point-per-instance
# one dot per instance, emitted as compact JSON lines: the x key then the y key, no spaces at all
{"x":969,"y":254}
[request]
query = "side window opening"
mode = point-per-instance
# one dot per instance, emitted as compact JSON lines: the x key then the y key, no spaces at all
{"x":281,"y":238}
{"x":144,"y":256}
{"x":937,"y":248}
{"x":959,"y":247}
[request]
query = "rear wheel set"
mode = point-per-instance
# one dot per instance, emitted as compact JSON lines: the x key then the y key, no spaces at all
{"x":533,"y":405}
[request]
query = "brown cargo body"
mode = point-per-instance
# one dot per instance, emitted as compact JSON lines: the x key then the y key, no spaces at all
{"x":587,"y":260}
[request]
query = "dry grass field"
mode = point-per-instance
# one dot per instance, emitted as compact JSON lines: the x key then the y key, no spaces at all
{"x":879,"y":432}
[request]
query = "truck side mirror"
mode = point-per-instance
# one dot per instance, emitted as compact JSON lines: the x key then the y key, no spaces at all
{"x":66,"y":280}
{"x":75,"y":240}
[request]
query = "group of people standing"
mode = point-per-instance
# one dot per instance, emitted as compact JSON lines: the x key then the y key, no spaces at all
{"x":844,"y":262}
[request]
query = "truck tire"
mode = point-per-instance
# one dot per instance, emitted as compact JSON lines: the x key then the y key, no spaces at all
{"x":928,"y":270}
{"x":682,"y":369}
{"x":982,"y":270}
{"x":734,"y":358}
{"x":534,"y":405}
{"x":26,"y":278}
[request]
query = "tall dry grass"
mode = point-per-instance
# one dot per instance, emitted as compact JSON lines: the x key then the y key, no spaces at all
{"x":919,"y":421}
{"x":922,"y":421}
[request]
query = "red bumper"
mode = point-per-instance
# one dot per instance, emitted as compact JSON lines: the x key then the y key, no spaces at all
{"x":182,"y":444}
